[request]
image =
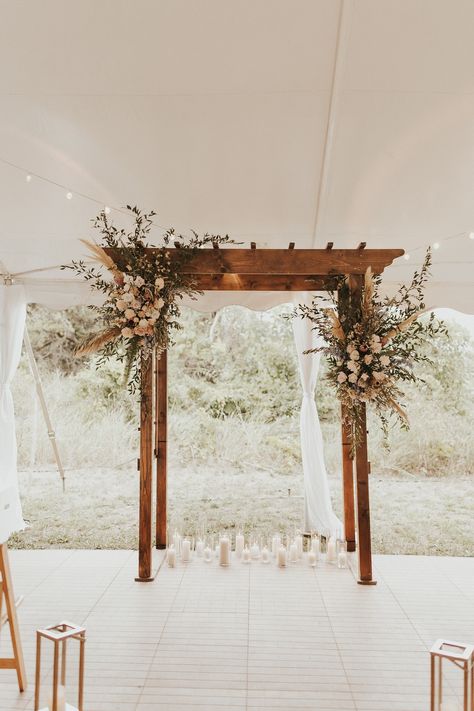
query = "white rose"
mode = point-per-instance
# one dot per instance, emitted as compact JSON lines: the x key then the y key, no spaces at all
{"x":341,"y":378}
{"x":139,"y":281}
{"x":375,"y":338}
{"x":121,"y":304}
{"x":378,"y":376}
{"x":143,"y":323}
{"x":159,"y":303}
{"x":355,"y":354}
{"x":385,"y":360}
{"x":361,"y":383}
{"x":364,"y":376}
{"x":350,"y":348}
{"x":377,"y":347}
{"x":130,"y":313}
{"x":128,"y":297}
{"x":159,"y":283}
{"x":353,"y":378}
{"x":127,"y":332}
{"x":136,"y":304}
{"x":352,"y":365}
{"x":368,"y":359}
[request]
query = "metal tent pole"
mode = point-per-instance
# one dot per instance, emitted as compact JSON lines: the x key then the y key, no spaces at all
{"x":44,"y":407}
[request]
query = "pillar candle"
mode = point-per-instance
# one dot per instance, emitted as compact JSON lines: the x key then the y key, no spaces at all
{"x":312,"y":558}
{"x":224,"y":551}
{"x":246,"y":555}
{"x":207,"y":554}
{"x":171,"y":557}
{"x":239,"y":544}
{"x":200,"y":548}
{"x":316,"y":547}
{"x":177,"y":542}
{"x":255,"y":551}
{"x":282,"y":557}
{"x":60,"y":698}
{"x":299,"y":545}
{"x":265,"y":555}
{"x":185,"y":550}
{"x":331,"y":550}
{"x":293,"y":553}
{"x":276,"y":543}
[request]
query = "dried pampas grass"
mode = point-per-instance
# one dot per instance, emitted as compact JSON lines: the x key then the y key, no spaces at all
{"x":98,"y":341}
{"x":336,"y":325}
{"x":101,"y":256}
{"x":402,"y":326}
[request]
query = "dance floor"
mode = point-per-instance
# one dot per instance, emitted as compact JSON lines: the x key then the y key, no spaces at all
{"x":244,"y":637}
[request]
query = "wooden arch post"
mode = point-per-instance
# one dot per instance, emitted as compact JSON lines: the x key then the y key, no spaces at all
{"x":254,"y":269}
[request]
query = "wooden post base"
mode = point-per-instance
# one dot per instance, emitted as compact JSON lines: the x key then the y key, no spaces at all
{"x":144,"y":580}
{"x":367,"y":582}
{"x":6,"y":591}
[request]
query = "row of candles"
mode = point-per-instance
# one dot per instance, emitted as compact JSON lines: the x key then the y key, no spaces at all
{"x":282,"y":550}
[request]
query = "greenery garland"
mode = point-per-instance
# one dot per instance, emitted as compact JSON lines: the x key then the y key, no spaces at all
{"x":141,"y":308}
{"x":372,"y":344}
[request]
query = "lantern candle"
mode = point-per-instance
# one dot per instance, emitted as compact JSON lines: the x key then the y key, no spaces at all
{"x":199,"y":548}
{"x":185,"y":550}
{"x":224,"y":551}
{"x":239,"y":544}
{"x":282,"y":557}
{"x":293,"y":553}
{"x":312,"y":560}
{"x":265,"y":555}
{"x":171,"y":557}
{"x":60,"y":699}
{"x":316,"y":547}
{"x":207,"y":554}
{"x":246,"y":555}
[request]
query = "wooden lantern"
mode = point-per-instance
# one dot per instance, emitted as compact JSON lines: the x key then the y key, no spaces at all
{"x":462,"y":657}
{"x":59,"y":635}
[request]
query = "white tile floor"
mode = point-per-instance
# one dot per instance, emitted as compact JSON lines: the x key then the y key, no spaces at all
{"x":246,"y":637}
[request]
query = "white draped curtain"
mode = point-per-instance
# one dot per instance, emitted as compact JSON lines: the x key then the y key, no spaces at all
{"x":319,"y":514}
{"x":12,"y":323}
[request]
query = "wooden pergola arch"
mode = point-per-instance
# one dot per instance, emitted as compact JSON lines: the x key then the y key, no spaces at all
{"x":257,"y":270}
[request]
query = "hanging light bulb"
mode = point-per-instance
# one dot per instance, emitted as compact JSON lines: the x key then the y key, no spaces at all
{"x":406,"y":256}
{"x":107,"y":210}
{"x":68,"y":196}
{"x":471,"y":235}
{"x":435,"y":245}
{"x":28,"y":178}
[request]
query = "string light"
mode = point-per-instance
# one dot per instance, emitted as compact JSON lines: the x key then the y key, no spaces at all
{"x":107,"y":210}
{"x":471,"y":235}
{"x":436,"y":245}
{"x":406,"y":256}
{"x":69,"y":196}
{"x":28,"y":178}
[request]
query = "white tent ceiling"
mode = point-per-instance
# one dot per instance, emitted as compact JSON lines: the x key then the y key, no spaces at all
{"x":272,"y":120}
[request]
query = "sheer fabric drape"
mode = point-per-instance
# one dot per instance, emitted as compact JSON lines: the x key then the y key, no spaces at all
{"x":12,"y":323}
{"x":319,"y":514}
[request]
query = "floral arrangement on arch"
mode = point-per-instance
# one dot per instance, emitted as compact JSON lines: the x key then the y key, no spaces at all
{"x":142,"y":289}
{"x":373,"y":343}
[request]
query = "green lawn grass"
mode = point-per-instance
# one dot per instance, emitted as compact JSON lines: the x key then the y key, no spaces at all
{"x":417,"y":515}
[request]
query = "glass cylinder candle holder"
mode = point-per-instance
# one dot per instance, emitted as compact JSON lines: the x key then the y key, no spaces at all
{"x":458,"y":656}
{"x":341,"y":551}
{"x":59,"y":635}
